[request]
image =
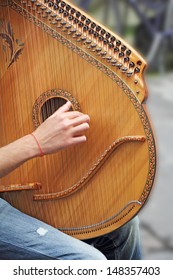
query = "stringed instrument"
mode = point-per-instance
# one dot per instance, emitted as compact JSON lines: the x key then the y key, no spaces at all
{"x":51,"y":52}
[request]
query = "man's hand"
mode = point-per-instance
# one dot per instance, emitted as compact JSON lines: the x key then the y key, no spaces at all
{"x":62,"y":129}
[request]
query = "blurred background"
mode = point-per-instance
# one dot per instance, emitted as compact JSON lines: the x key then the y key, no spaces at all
{"x":148,"y":26}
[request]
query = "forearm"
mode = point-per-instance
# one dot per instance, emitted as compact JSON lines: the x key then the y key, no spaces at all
{"x":59,"y":131}
{"x":16,"y":153}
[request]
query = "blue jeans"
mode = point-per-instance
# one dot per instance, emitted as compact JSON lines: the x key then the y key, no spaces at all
{"x":121,"y":244}
{"x":24,"y":237}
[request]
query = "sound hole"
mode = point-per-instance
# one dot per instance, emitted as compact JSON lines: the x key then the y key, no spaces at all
{"x":50,"y":106}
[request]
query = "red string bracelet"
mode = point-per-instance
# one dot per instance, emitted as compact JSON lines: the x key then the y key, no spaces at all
{"x":38,"y":144}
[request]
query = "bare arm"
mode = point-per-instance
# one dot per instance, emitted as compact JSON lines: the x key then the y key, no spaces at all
{"x":61,"y":130}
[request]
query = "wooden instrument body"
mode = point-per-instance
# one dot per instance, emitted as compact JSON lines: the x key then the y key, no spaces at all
{"x":95,"y":188}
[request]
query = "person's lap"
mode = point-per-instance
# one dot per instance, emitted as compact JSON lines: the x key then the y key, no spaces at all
{"x":23,"y":237}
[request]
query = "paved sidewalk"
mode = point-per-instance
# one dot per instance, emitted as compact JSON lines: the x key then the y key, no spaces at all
{"x":157,"y":215}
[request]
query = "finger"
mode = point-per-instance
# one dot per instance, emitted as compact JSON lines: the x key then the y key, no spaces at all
{"x":65,"y":108}
{"x":72,"y":114}
{"x":78,"y":140}
{"x":80,"y":129}
{"x":79,"y":119}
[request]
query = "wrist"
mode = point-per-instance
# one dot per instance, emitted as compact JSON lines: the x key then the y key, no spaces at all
{"x":38,"y":144}
{"x":30,"y":146}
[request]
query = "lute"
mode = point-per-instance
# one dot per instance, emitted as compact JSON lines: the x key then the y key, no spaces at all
{"x":51,"y":52}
